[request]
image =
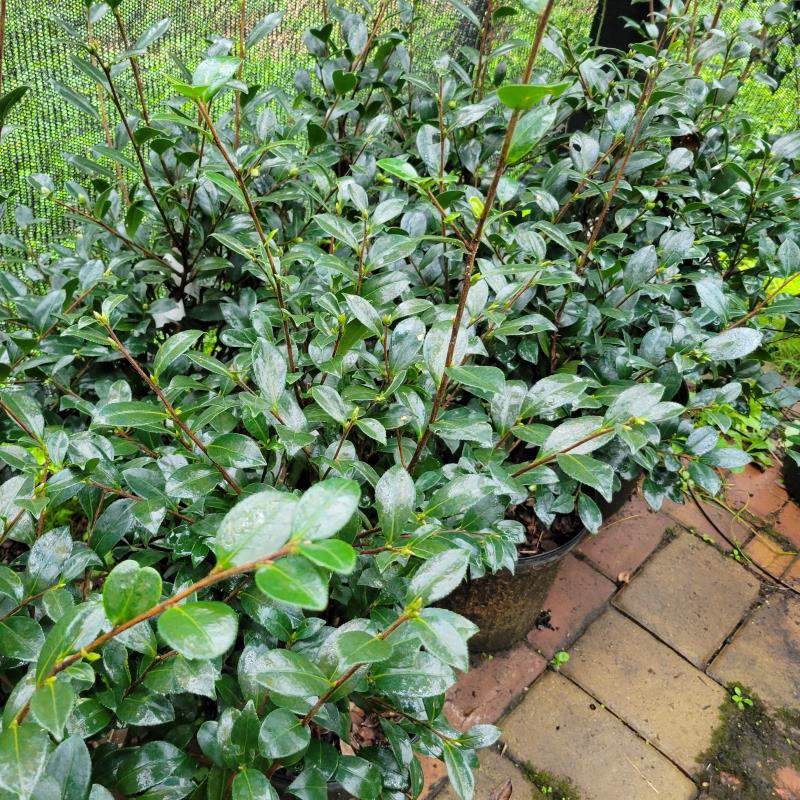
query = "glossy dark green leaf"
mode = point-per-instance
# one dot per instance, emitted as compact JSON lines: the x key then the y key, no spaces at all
{"x":359,"y":777}
{"x":173,"y":349}
{"x":51,"y":705}
{"x":250,"y":784}
{"x":283,"y":734}
{"x":23,"y":752}
{"x":295,"y":581}
{"x":73,"y":631}
{"x":199,"y":630}
{"x":359,"y":647}
{"x":129,"y":590}
{"x":255,"y":528}
{"x":332,"y":554}
{"x":325,"y":509}
{"x":395,"y":498}
{"x":290,"y":673}
{"x":21,"y":638}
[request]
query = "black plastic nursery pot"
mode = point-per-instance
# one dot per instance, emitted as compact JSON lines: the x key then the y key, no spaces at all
{"x":505,"y":605}
{"x":791,"y":478}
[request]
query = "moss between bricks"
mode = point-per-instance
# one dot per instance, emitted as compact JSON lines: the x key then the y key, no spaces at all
{"x":551,"y":787}
{"x":747,"y":749}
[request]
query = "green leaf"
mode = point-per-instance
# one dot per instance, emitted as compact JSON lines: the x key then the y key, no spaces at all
{"x":567,"y":435}
{"x":520,"y":96}
{"x":130,"y":590}
{"x":70,"y":766}
{"x":338,"y":228}
{"x":269,"y":371}
{"x":325,"y":509}
{"x":590,"y":513}
{"x":359,"y":777}
{"x":732,"y":344}
{"x":199,"y":630}
{"x":530,"y":130}
{"x":9,"y":100}
{"x":73,"y":631}
{"x":636,"y":401}
{"x":229,"y":186}
{"x":399,"y":168}
{"x":359,"y":647}
{"x":255,"y":528}
{"x":372,"y":428}
{"x":263,"y":28}
{"x":419,"y":676}
{"x":289,"y":673}
{"x":330,"y":401}
{"x":250,"y":784}
{"x":459,"y":771}
{"x":21,"y":638}
{"x":436,"y":345}
{"x":212,"y":74}
{"x":235,"y":450}
{"x":173,"y":349}
{"x":51,"y":705}
{"x":589,"y":471}
{"x":365,"y":313}
{"x":395,"y":498}
{"x":132,"y":414}
{"x":332,"y":554}
{"x":23,"y":752}
{"x":283,"y":735}
{"x":344,"y":82}
{"x":438,"y":576}
{"x":26,"y":410}
{"x":192,"y":481}
{"x":488,"y":380}
{"x":294,"y":581}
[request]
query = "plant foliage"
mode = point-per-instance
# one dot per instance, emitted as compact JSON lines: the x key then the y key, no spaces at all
{"x":307,"y":348}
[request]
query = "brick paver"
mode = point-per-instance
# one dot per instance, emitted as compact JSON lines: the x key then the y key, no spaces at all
{"x":769,"y":553}
{"x":668,"y":701}
{"x":626,"y":539}
{"x":759,"y":492}
{"x":765,"y":653}
{"x":691,"y":517}
{"x":691,"y":596}
{"x":495,"y":769}
{"x":561,"y":729}
{"x":632,"y":711}
{"x":788,"y":524}
{"x":492,"y":685}
{"x":578,"y":594}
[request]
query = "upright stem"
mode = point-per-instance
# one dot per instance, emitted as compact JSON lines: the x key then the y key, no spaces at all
{"x":251,"y":209}
{"x":237,"y":121}
{"x":139,"y":157}
{"x":476,"y":240}
{"x":170,"y":408}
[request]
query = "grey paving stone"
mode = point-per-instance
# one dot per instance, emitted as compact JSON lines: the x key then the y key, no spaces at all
{"x":765,"y":653}
{"x":663,"y":697}
{"x":561,"y":729}
{"x":690,"y":596}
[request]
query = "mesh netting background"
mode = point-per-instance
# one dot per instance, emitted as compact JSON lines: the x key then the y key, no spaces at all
{"x":37,"y":50}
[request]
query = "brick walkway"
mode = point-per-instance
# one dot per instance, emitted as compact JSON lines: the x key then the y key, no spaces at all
{"x":658,"y":618}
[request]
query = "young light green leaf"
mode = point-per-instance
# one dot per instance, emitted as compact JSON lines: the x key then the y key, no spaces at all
{"x":520,"y":96}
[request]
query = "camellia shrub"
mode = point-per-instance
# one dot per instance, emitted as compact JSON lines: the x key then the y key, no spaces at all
{"x":305,"y":350}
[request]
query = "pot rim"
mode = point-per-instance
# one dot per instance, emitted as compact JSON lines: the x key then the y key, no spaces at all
{"x":556,"y":553}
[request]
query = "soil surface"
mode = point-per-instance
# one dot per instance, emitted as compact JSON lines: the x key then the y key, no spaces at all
{"x":541,"y":539}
